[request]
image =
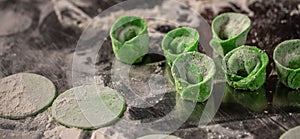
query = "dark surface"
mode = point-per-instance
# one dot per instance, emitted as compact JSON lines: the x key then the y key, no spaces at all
{"x":47,"y":48}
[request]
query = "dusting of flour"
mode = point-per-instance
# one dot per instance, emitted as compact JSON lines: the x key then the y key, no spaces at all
{"x":13,"y":97}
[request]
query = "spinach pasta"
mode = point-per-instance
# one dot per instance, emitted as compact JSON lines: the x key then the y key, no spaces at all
{"x":130,"y":39}
{"x":179,"y":41}
{"x":245,"y":68}
{"x":193,"y":75}
{"x":230,"y":31}
{"x":287,"y":61}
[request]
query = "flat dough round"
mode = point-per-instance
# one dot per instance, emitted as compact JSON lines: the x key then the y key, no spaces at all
{"x":25,"y":94}
{"x":159,"y":136}
{"x":88,"y":107}
{"x":13,"y":21}
{"x":291,"y":134}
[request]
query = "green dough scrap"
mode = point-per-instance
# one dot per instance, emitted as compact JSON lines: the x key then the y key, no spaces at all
{"x":88,"y":107}
{"x":130,"y":39}
{"x":193,"y":74}
{"x":25,"y":94}
{"x":245,"y":68}
{"x":293,"y":133}
{"x":179,"y":41}
{"x":287,"y":62}
{"x":159,"y":136}
{"x":230,"y":31}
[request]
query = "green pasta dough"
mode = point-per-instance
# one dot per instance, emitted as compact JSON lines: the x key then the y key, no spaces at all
{"x":287,"y":61}
{"x":130,"y":39}
{"x":193,"y":75}
{"x":291,"y":133}
{"x":159,"y":136}
{"x":88,"y":107}
{"x":245,"y":68}
{"x":25,"y":94}
{"x":230,"y":31}
{"x":179,"y":41}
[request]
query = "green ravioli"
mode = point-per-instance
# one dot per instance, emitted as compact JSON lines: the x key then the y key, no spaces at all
{"x":130,"y":39}
{"x":245,"y":67}
{"x":88,"y":107}
{"x":179,"y":41}
{"x":193,"y":75}
{"x":287,"y":61}
{"x":230,"y":31}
